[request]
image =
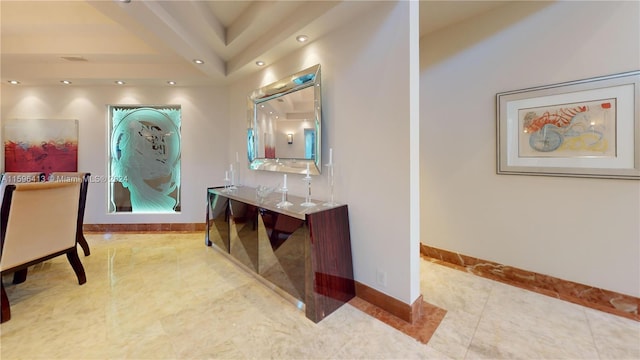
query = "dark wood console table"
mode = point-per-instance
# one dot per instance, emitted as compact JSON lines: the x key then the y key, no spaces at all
{"x":305,"y":252}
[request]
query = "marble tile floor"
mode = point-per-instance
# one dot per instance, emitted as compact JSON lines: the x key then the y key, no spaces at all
{"x":167,"y":296}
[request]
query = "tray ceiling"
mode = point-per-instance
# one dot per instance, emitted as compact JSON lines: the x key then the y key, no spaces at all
{"x":151,"y":42}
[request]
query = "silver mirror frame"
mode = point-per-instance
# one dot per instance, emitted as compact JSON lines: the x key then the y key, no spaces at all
{"x":298,"y":81}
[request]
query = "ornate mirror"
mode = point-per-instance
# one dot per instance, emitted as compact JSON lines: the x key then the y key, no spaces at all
{"x":284,"y":132}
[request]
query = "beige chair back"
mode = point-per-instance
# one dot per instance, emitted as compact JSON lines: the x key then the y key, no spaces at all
{"x":42,"y":220}
{"x":18,"y":178}
{"x":83,"y":178}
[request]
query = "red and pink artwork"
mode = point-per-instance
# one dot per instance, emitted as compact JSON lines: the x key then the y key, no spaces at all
{"x":270,"y":152}
{"x":269,"y":146}
{"x":43,"y":145}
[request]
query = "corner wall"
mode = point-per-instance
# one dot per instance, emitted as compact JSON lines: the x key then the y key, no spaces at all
{"x":365,"y":79}
{"x":581,"y":230}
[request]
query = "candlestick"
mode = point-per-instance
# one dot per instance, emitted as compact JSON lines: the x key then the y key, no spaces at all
{"x":232,"y":180}
{"x":307,"y":200}
{"x":226,"y":181}
{"x":284,"y":202}
{"x":331,"y":180}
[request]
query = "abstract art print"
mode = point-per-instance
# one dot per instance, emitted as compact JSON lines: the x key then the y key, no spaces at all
{"x":144,"y":168}
{"x":584,"y":128}
{"x":578,"y":129}
{"x":40,"y":145}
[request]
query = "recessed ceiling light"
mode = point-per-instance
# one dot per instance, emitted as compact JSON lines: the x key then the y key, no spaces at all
{"x":14,"y":82}
{"x":120,"y":82}
{"x":260,"y":63}
{"x":302,"y":38}
{"x":198,"y":61}
{"x":171,"y":82}
{"x":66,"y":82}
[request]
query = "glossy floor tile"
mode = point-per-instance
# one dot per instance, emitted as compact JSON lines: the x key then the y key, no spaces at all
{"x":168,"y":296}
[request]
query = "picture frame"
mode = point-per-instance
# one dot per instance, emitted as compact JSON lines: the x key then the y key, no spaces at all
{"x":584,"y":128}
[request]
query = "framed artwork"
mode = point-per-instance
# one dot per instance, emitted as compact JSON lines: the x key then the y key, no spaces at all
{"x":144,"y":164}
{"x":584,"y":128}
{"x":40,"y":145}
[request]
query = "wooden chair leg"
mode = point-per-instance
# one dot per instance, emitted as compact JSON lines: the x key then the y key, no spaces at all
{"x":74,"y":260}
{"x":6,"y":309}
{"x":83,"y":244}
{"x":20,"y":276}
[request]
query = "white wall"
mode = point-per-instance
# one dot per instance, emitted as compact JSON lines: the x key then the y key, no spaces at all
{"x":365,"y":76}
{"x":205,"y":129}
{"x":582,"y":230}
{"x":295,"y":127}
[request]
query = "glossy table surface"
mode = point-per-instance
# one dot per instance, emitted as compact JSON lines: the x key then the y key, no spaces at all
{"x":249,"y":195}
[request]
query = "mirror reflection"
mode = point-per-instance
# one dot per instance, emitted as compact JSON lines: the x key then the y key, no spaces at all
{"x":285,"y":124}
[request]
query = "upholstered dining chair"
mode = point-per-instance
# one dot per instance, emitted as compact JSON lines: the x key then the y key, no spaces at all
{"x":9,"y":178}
{"x":83,"y":179}
{"x":38,"y":222}
{"x":18,"y":178}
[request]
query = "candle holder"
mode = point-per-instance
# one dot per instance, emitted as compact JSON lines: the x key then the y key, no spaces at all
{"x":307,"y":200}
{"x":284,"y":202}
{"x":232,"y":181}
{"x":227,"y":182}
{"x":331,"y":185}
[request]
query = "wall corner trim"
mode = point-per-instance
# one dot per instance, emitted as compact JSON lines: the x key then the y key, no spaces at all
{"x":397,"y":308}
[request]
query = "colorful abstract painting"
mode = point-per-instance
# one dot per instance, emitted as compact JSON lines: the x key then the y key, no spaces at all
{"x":144,"y":159}
{"x":43,"y":145}
{"x":582,"y":128}
{"x":575,"y":129}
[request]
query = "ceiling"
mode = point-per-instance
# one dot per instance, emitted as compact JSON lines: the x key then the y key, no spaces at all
{"x":151,"y":42}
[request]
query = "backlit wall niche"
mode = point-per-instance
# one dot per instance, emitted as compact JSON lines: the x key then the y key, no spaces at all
{"x":144,"y":169}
